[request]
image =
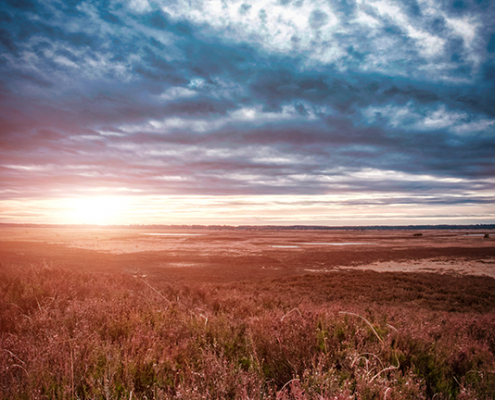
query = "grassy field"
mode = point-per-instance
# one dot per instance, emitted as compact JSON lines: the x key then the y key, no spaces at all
{"x":69,"y":334}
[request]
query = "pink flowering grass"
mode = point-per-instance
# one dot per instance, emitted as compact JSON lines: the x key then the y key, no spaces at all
{"x":348,"y":335}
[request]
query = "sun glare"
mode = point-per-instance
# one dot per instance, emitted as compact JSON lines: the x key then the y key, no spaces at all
{"x":104,"y":210}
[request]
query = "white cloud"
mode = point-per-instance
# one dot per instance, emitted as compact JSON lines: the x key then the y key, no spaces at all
{"x":441,"y":118}
{"x":426,"y":119}
{"x":397,"y":116}
{"x":177,"y":92}
{"x":250,"y":115}
{"x":139,"y":5}
{"x":288,"y":29}
{"x":467,"y":28}
{"x":266,"y":22}
{"x":477,"y":126}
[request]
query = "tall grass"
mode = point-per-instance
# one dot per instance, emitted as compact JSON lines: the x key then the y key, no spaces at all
{"x":78,"y":335}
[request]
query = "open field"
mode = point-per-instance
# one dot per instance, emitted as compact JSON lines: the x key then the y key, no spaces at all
{"x":225,"y":255}
{"x":139,"y":313}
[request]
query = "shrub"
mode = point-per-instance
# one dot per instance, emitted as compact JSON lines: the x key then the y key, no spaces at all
{"x":67,"y":334}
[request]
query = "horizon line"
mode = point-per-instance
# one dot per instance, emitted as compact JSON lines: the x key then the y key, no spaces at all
{"x":240,"y":227}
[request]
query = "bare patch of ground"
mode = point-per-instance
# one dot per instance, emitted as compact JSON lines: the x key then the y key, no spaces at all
{"x":444,"y":265}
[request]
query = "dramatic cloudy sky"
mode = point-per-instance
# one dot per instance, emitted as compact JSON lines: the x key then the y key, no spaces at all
{"x":335,"y":112}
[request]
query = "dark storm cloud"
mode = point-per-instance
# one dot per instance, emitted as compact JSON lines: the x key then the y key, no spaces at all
{"x":100,"y":94}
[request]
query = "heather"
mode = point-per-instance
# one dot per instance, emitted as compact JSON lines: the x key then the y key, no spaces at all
{"x":71,"y":334}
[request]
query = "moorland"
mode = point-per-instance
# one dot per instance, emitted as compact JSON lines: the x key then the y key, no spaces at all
{"x":113,"y":313}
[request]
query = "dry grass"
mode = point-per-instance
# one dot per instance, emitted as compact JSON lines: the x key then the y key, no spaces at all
{"x":361,"y":335}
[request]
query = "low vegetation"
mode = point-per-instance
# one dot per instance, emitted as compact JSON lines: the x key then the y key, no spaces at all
{"x":67,"y":334}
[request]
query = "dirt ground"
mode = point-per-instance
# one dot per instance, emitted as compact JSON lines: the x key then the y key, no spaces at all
{"x":227,"y":255}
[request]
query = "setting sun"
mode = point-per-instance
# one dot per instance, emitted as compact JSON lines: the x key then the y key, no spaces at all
{"x":100,"y":210}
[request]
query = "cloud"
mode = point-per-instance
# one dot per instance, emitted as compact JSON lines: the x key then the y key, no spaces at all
{"x":226,"y":98}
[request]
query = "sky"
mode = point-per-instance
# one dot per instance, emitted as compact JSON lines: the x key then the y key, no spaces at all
{"x":335,"y":112}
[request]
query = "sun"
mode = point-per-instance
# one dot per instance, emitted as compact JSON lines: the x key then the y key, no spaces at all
{"x":97,"y":210}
